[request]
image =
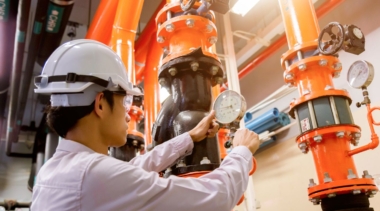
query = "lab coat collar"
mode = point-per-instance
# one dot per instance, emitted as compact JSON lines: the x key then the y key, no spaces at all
{"x":72,"y":146}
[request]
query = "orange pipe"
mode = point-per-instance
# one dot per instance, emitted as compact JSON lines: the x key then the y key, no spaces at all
{"x":322,"y":10}
{"x":101,"y":25}
{"x":151,"y":89}
{"x":123,"y":36}
{"x":124,"y":33}
{"x":142,"y":44}
{"x":374,"y":138}
{"x":306,"y":30}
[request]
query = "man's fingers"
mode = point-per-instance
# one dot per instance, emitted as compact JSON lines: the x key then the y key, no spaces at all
{"x":211,"y":115}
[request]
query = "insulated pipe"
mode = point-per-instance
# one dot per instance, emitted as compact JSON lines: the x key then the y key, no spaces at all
{"x":18,"y":58}
{"x":7,"y":38}
{"x":52,"y":140}
{"x":322,"y":10}
{"x":151,"y":89}
{"x":142,"y":44}
{"x":101,"y":25}
{"x":56,"y":21}
{"x":35,"y":40}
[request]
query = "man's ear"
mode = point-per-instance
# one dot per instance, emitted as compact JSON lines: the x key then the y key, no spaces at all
{"x":99,"y":104}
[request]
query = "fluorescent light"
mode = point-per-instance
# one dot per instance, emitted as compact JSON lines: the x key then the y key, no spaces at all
{"x":243,"y":6}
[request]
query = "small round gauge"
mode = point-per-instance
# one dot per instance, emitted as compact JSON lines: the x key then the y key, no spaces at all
{"x":358,"y":33}
{"x":360,"y":74}
{"x":229,"y":106}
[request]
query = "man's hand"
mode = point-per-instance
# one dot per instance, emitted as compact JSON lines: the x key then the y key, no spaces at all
{"x":245,"y":137}
{"x":205,"y":128}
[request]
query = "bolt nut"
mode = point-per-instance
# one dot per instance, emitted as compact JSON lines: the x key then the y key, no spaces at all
{"x":214,"y":70}
{"x":331,"y":195}
{"x":328,"y":87}
{"x":318,"y":138}
{"x":209,"y":28}
{"x":289,"y":77}
{"x":169,"y":27}
{"x":338,"y":66}
{"x":194,"y":66}
{"x":356,"y":192}
{"x":327,"y":178}
{"x":173,"y":71}
{"x":323,"y":62}
{"x":303,"y":147}
{"x":302,"y":67}
{"x":205,"y":160}
{"x":357,"y":135}
{"x":162,"y":81}
{"x":160,"y":39}
{"x":190,"y":23}
{"x":315,"y":201}
{"x":351,"y":174}
{"x":306,"y":92}
{"x":366,"y":175}
{"x":290,"y":85}
{"x":135,"y":142}
{"x":213,"y":40}
{"x":336,"y":74}
{"x":311,"y":183}
{"x":340,"y":134}
{"x":219,"y":80}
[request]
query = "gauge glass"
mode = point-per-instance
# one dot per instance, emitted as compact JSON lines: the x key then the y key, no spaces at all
{"x":360,"y":74}
{"x":358,"y":33}
{"x":229,"y":106}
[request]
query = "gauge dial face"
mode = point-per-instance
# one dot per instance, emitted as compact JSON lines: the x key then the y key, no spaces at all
{"x":360,"y":74}
{"x":229,"y":106}
{"x":358,"y":33}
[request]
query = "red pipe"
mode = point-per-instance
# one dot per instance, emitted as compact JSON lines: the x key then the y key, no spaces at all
{"x":142,"y":44}
{"x":322,"y":10}
{"x":101,"y":26}
{"x":151,"y":89}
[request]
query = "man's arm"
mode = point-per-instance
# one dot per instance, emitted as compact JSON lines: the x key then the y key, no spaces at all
{"x":164,"y":155}
{"x":111,"y":184}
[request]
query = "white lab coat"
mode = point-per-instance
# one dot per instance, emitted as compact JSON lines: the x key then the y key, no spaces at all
{"x":77,"y":178}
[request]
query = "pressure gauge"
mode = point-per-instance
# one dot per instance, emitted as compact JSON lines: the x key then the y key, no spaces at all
{"x":360,"y":74}
{"x":229,"y":107}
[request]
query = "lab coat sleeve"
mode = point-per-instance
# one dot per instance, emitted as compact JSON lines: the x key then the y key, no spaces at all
{"x":127,"y":187}
{"x":166,"y":154}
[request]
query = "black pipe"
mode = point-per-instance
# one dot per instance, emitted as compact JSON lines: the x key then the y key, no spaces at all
{"x":56,"y":20}
{"x":45,"y":34}
{"x":8,"y":16}
{"x":18,"y":58}
{"x":34,"y":44}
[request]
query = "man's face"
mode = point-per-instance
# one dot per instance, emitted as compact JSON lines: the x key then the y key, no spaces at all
{"x":115,"y":125}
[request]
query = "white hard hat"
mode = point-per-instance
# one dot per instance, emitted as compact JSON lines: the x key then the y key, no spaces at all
{"x":78,"y":70}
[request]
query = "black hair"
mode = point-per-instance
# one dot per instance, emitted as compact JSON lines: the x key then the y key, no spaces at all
{"x":62,"y":119}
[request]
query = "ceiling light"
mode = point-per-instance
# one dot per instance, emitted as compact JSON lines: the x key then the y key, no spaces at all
{"x":243,"y":6}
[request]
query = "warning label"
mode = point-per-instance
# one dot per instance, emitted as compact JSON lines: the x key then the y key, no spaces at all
{"x":305,"y":125}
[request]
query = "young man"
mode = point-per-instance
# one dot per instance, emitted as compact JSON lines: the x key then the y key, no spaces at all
{"x":90,"y":98}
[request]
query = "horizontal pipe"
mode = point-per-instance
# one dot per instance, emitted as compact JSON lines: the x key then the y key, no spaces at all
{"x":244,"y":71}
{"x":272,"y":113}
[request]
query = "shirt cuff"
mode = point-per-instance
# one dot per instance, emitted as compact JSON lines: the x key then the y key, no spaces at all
{"x":242,"y":151}
{"x":183,"y":144}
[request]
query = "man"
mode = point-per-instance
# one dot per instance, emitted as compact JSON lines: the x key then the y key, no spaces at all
{"x":89,"y":110}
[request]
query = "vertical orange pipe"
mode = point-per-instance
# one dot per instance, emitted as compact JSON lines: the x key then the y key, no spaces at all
{"x":142,"y":43}
{"x":101,"y":25}
{"x":151,"y":88}
{"x":301,"y":23}
{"x":124,"y":33}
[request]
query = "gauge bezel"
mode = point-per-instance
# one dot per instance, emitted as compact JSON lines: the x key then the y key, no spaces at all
{"x":371,"y":74}
{"x":243,"y":106}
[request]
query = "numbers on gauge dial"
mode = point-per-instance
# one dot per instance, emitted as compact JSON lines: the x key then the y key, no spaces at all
{"x":228,"y":108}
